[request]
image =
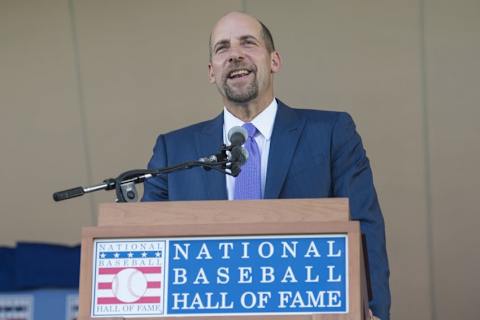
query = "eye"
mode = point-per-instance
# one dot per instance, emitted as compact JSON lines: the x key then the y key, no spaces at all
{"x":250,"y":42}
{"x":221,"y":47}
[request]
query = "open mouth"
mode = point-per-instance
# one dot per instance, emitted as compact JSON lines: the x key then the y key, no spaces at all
{"x":240,"y":73}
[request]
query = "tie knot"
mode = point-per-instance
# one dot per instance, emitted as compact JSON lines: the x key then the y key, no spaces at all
{"x":251,"y":129}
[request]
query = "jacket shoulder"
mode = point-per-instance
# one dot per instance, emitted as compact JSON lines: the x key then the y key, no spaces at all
{"x":323,"y":117}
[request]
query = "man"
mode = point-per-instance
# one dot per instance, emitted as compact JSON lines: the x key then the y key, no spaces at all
{"x":294,"y":153}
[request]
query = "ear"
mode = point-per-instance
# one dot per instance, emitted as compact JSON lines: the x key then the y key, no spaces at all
{"x":211,"y":74}
{"x":275,"y":62}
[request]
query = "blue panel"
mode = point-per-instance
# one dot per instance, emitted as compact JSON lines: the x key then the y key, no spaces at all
{"x":51,"y":304}
{"x":258,"y":275}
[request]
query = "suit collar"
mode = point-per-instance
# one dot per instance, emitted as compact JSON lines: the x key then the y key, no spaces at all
{"x":286,"y":133}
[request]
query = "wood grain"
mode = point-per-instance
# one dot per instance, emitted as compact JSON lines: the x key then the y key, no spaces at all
{"x":206,"y":212}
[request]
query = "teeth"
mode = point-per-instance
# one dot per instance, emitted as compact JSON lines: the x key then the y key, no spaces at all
{"x":239,"y":73}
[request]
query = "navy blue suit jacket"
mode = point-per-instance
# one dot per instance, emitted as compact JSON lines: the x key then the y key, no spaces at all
{"x":313,"y":154}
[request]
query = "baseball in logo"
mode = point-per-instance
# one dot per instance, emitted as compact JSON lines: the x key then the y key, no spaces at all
{"x":129,"y":285}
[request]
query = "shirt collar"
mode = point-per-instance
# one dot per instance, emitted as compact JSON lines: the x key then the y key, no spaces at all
{"x":263,"y":121}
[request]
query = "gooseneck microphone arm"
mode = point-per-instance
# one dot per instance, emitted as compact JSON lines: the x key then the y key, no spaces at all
{"x":124,"y":183}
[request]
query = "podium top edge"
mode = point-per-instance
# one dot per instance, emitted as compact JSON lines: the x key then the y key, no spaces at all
{"x":223,"y":211}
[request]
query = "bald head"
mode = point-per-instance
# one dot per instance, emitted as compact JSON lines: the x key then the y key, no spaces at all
{"x":240,"y":19}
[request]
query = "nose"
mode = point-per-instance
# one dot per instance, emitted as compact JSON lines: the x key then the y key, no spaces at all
{"x":236,"y":55}
{"x":235,"y":59}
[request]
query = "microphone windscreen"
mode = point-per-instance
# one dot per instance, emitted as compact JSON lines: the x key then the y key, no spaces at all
{"x":239,"y":154}
{"x":237,"y":135}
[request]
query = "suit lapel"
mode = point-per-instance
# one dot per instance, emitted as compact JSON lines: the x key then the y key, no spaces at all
{"x":208,"y":141}
{"x":286,"y":133}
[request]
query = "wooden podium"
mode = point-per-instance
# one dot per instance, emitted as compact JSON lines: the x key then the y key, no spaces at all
{"x":229,"y":218}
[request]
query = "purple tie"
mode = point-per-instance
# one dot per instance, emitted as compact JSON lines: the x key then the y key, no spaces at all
{"x":248,"y":184}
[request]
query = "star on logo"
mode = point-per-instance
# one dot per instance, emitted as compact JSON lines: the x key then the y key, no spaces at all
{"x":116,"y":255}
{"x":102,"y":255}
{"x":158,"y":254}
{"x":130,"y":255}
{"x":144,"y":254}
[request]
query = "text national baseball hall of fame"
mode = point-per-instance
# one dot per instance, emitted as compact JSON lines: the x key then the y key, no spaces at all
{"x":220,"y":276}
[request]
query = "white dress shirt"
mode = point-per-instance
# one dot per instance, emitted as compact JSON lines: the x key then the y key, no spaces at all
{"x":264,"y":124}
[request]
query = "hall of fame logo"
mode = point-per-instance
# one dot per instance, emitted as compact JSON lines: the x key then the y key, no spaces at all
{"x":129,"y":277}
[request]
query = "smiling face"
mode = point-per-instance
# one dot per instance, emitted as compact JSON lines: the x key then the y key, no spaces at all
{"x":241,"y":65}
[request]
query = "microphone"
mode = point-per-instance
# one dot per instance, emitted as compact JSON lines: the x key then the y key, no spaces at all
{"x":237,"y":136}
{"x":238,"y":157}
{"x":238,"y":154}
{"x":235,"y":153}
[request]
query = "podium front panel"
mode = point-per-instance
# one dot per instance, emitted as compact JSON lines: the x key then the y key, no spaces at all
{"x":156,"y":271}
